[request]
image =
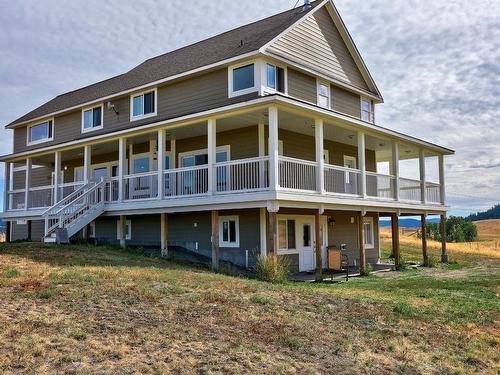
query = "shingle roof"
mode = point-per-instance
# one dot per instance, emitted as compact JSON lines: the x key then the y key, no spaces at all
{"x":215,"y":49}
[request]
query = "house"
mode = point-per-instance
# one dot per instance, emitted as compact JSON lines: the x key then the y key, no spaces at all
{"x":261,"y":140}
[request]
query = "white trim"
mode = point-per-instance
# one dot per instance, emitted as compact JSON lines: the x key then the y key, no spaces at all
{"x":203,"y":151}
{"x":142,"y":93}
{"x":266,"y":90}
{"x":369,"y":220}
{"x":142,"y":155}
{"x":256,"y":78}
{"x":50,"y":122}
{"x":91,"y":108}
{"x":287,"y":250}
{"x":319,"y":83}
{"x":371,"y":112}
{"x":128,"y":228}
{"x":227,"y":243}
{"x":351,"y":158}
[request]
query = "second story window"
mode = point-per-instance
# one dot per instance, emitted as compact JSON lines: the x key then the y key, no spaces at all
{"x":143,"y":105}
{"x":324,"y":94}
{"x":242,"y":80}
{"x":39,"y":133}
{"x":92,"y":119}
{"x":367,"y":110}
{"x":275,"y":78}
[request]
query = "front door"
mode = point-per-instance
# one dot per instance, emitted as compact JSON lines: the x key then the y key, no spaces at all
{"x":307,"y":259}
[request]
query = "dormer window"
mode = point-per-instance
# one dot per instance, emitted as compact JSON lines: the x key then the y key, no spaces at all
{"x":242,"y":80}
{"x":41,"y":132}
{"x":367,"y":110}
{"x":143,"y":105}
{"x":275,"y":78}
{"x":92,"y":119}
{"x":323,"y":94}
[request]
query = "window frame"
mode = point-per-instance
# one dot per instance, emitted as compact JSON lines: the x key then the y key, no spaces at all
{"x":49,"y":121}
{"x":92,"y":229}
{"x":91,"y":108}
{"x":371,"y":113}
{"x":287,"y":250}
{"x":142,"y":93}
{"x":231,"y":69}
{"x":203,"y":151}
{"x":369,"y":220}
{"x":270,"y":90}
{"x":223,"y":243}
{"x":327,"y":84}
{"x":128,"y":228}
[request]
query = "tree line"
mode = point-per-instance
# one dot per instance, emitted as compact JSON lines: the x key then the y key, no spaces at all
{"x":458,"y":229}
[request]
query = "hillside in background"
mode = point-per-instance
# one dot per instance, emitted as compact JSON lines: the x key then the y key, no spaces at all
{"x":407,"y":223}
{"x":492,"y":213}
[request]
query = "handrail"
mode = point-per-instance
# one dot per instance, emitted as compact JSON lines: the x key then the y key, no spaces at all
{"x":185,"y":169}
{"x":341,"y":168}
{"x":92,"y":189}
{"x":143,"y":174}
{"x":295,"y":160}
{"x":409,"y":179}
{"x":242,"y":161}
{"x":67,"y":198}
{"x":38,"y":188}
{"x":369,"y":173}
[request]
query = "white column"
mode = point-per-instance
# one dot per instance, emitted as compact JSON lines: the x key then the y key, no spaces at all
{"x":27,"y":183}
{"x":57,"y":176}
{"x":212,"y":153}
{"x":273,"y":148}
{"x":395,"y":169}
{"x":263,"y":232}
{"x":320,"y":160}
{"x":422,"y":176}
{"x":122,"y":145}
{"x":87,"y":161}
{"x":362,"y":163}
{"x":161,"y":162}
{"x":441,"y":179}
{"x":6,"y":200}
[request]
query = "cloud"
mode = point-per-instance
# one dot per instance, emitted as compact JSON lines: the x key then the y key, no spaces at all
{"x":436,"y":63}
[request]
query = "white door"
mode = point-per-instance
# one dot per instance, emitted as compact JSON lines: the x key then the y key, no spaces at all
{"x":307,"y":259}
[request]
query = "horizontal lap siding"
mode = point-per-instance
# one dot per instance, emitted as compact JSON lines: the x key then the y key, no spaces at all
{"x":346,"y":102}
{"x":301,"y":86}
{"x":317,"y":43}
{"x":145,"y":230}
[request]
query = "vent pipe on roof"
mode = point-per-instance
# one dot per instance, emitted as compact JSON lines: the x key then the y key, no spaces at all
{"x":307,"y":5}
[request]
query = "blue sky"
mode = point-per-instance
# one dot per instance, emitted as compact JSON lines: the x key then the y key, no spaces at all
{"x":437,"y":64}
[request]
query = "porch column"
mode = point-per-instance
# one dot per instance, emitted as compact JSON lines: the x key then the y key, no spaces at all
{"x":122,"y":167}
{"x":164,"y":234}
{"x":27,"y":184}
{"x":423,"y":194}
{"x":424,"y":240}
{"x":395,"y":169}
{"x":320,"y":160}
{"x":87,"y":161}
{"x":441,"y":180}
{"x":263,"y":232}
{"x":123,"y":233}
{"x":318,"y":228}
{"x":57,"y":176}
{"x":6,"y":199}
{"x":362,"y":164}
{"x":362,"y":252}
{"x":212,"y":154}
{"x":273,"y":148}
{"x":444,"y":254}
{"x":395,"y":240}
{"x":161,"y":163}
{"x":215,"y":239}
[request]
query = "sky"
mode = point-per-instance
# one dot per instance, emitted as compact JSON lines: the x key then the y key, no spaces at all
{"x":437,"y":64}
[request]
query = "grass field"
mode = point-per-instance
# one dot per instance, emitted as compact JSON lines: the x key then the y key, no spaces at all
{"x":82,"y":309}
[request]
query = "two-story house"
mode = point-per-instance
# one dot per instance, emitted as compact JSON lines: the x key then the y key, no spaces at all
{"x":261,"y":140}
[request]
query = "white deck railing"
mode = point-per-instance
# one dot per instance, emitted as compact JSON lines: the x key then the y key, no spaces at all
{"x":41,"y":196}
{"x":341,"y":180}
{"x":410,"y":190}
{"x":433,"y":192}
{"x":141,"y":186}
{"x":69,"y":188}
{"x":188,"y":181}
{"x":242,"y":175}
{"x":380,"y":185}
{"x":297,"y":174}
{"x":16,"y":199}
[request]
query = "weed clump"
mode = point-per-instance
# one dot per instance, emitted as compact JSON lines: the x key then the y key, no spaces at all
{"x":272,"y":269}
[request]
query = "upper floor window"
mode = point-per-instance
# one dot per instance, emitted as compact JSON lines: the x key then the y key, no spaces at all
{"x":143,"y":105}
{"x":242,"y":80}
{"x":275,"y":77}
{"x":324,"y":94}
{"x":39,"y":133}
{"x":92,"y":119}
{"x":366,"y":110}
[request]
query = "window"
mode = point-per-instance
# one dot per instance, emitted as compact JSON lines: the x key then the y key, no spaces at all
{"x":275,"y":78}
{"x":40,"y":133}
{"x":242,"y":80}
{"x":78,"y":174}
{"x":323,"y":94}
{"x":128,"y":229}
{"x":368,"y":229}
{"x":143,"y":105}
{"x":229,"y":231}
{"x":367,"y":110}
{"x":92,"y":119}
{"x":92,"y":229}
{"x":286,"y":235}
{"x":141,"y":165}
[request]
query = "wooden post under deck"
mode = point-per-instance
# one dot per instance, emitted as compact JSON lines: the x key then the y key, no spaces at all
{"x":215,"y":239}
{"x":272,"y":234}
{"x":164,"y":234}
{"x":424,"y":240}
{"x":123,"y":229}
{"x":28,"y":224}
{"x":395,"y":240}
{"x":8,"y":225}
{"x":362,"y":252}
{"x":319,"y":246}
{"x":444,"y":254}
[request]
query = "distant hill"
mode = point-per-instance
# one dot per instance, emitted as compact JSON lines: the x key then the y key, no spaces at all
{"x":492,"y":213}
{"x":407,"y":223}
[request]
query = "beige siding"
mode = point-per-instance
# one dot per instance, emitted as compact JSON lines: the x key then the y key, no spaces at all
{"x":317,"y":44}
{"x":346,"y":102}
{"x":301,"y":86}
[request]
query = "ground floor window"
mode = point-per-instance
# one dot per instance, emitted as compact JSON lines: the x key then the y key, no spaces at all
{"x":229,"y":231}
{"x":286,"y":235}
{"x":128,"y":229}
{"x":92,"y":230}
{"x":369,"y":237}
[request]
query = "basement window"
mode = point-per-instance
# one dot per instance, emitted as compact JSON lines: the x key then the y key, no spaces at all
{"x":368,"y":231}
{"x":286,"y":235}
{"x":143,"y":105}
{"x":128,"y":229}
{"x":229,"y":231}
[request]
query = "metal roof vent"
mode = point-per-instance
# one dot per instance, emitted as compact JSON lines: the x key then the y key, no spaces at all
{"x":307,"y":5}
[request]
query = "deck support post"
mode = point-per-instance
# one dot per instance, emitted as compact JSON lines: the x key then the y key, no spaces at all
{"x":318,"y":228}
{"x":424,"y":240}
{"x":122,"y":167}
{"x":123,"y":230}
{"x":395,"y":240}
{"x":361,"y":240}
{"x":444,"y":254}
{"x":215,"y":239}
{"x":272,"y":234}
{"x":28,"y":224}
{"x":27,"y":184}
{"x":212,"y":155}
{"x":362,"y":164}
{"x":273,"y":149}
{"x":8,"y":228}
{"x":263,"y":232}
{"x":320,"y":159}
{"x":164,"y":234}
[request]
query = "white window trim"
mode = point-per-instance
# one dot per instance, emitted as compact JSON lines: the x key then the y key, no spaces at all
{"x":327,"y":84}
{"x":288,"y":251}
{"x":181,"y":155}
{"x":372,"y":109}
{"x":256,"y":78}
{"x":223,"y":243}
{"x":268,"y":90}
{"x":142,"y":155}
{"x":326,"y":156}
{"x":28,"y":143}
{"x":92,"y":229}
{"x":352,"y":158}
{"x":128,"y":224}
{"x":94,"y":127}
{"x":369,"y":219}
{"x":139,"y":93}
